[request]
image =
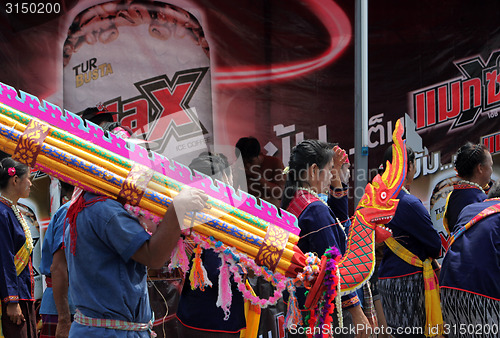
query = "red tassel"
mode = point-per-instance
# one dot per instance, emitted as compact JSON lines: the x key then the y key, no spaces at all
{"x":73,"y":211}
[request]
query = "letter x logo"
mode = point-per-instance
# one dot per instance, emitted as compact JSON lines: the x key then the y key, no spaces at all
{"x":475,"y":68}
{"x":169,"y":113}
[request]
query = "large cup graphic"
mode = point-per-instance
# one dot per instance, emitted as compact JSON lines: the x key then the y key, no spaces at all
{"x":148,"y":61}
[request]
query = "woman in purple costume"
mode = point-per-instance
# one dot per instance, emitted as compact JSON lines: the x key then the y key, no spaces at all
{"x":474,"y":167}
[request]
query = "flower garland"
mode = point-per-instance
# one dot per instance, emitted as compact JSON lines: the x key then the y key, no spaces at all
{"x":474,"y":184}
{"x":26,"y":229}
{"x":139,"y":212}
{"x":232,"y":258}
{"x":321,"y":316}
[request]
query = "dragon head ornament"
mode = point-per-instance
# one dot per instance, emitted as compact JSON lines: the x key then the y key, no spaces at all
{"x":379,"y":203}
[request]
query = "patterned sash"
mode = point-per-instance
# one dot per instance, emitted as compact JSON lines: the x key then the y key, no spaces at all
{"x":434,"y":316}
{"x":22,"y":257}
{"x":113,"y":324}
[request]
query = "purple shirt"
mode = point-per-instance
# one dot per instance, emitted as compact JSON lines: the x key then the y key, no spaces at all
{"x":461,"y":196}
{"x":412,"y":227}
{"x":13,"y":287}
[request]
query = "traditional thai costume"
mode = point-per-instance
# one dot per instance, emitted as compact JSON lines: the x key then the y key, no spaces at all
{"x":401,"y":284}
{"x":16,"y":280}
{"x":462,"y":195}
{"x":470,"y":273}
{"x":52,"y":242}
{"x":319,"y":230}
{"x":109,"y":288}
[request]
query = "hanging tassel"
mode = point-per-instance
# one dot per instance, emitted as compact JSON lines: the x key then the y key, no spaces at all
{"x":198,"y":276}
{"x":225,"y":293}
{"x":179,"y":259}
{"x":293,"y":315}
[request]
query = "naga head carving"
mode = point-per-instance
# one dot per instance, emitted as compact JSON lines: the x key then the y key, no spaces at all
{"x":379,"y":203}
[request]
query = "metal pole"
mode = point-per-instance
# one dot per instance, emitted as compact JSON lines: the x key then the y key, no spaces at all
{"x":360,"y":98}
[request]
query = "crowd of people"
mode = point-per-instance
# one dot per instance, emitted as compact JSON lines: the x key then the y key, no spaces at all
{"x":97,"y":252}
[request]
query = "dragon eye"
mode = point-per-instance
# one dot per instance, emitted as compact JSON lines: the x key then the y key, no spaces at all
{"x":383,"y":195}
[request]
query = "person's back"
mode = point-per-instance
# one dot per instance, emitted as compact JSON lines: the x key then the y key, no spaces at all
{"x":470,"y":263}
{"x":470,"y":292}
{"x":412,"y":227}
{"x":107,"y":251}
{"x":461,"y":196}
{"x":104,"y":281}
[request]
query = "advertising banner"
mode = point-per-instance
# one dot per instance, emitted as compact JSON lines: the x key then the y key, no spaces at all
{"x":148,"y":61}
{"x":188,"y":76}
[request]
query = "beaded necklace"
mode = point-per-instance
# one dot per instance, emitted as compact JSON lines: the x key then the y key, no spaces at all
{"x":474,"y":184}
{"x":312,"y":192}
{"x":27,"y":232}
{"x":338,"y":301}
